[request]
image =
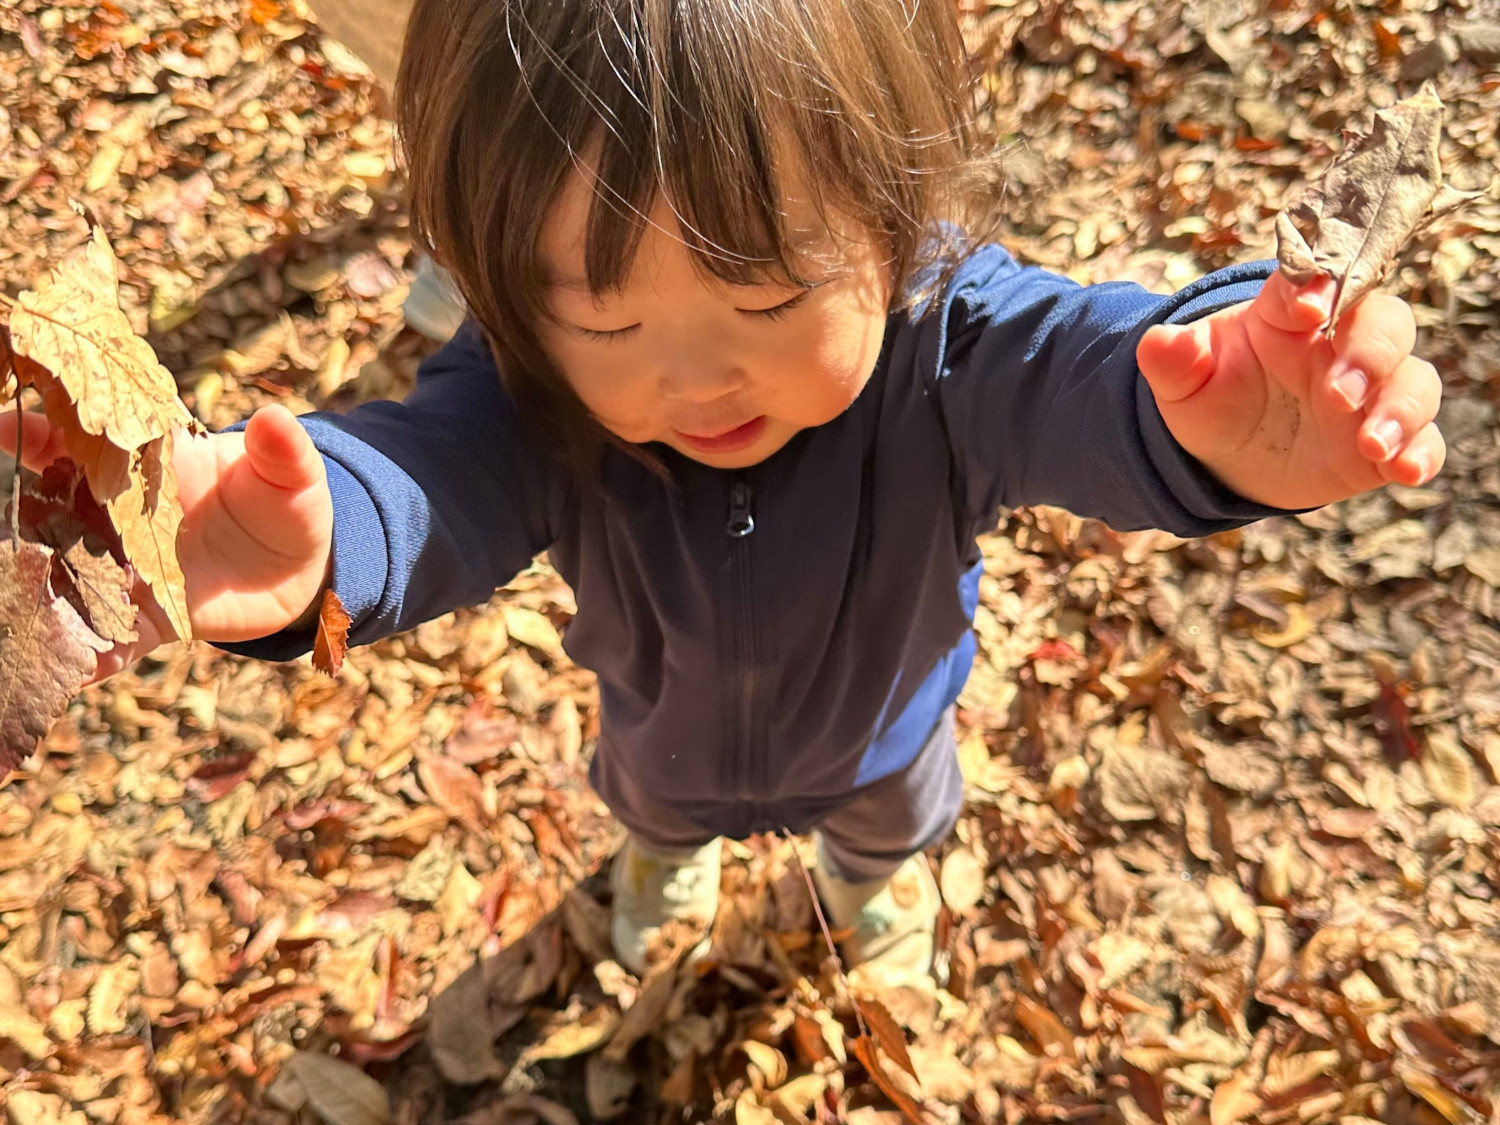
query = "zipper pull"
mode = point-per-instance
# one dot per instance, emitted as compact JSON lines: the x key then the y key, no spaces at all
{"x":741,"y":519}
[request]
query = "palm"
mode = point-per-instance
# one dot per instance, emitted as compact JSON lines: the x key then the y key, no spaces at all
{"x":1248,"y":392}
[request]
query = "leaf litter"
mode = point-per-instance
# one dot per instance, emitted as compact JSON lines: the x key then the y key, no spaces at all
{"x":205,"y":871}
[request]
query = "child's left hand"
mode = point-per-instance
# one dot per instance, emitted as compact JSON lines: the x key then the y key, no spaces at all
{"x":1287,"y":417}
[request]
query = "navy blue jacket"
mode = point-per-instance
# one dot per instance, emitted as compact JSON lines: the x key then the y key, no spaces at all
{"x":755,"y":680}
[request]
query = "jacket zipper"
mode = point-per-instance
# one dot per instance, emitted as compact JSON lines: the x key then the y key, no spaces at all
{"x":741,"y":523}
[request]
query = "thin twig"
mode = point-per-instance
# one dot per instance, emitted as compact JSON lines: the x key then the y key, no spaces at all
{"x":15,"y":485}
{"x":838,"y":964}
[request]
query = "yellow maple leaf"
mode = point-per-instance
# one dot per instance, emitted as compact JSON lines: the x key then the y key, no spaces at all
{"x":72,"y":325}
{"x":148,"y":514}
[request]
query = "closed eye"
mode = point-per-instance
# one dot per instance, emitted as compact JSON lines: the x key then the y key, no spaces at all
{"x":776,"y":312}
{"x":612,"y":334}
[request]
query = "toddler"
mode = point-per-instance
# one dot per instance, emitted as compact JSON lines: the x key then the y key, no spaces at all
{"x":740,"y":357}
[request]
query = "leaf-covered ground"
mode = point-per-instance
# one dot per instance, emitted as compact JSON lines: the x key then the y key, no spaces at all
{"x":1233,"y":836}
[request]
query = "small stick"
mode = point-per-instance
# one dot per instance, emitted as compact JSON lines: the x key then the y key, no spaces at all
{"x":15,"y":485}
{"x":838,"y":965}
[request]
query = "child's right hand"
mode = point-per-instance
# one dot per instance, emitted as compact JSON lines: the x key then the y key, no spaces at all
{"x":257,"y":529}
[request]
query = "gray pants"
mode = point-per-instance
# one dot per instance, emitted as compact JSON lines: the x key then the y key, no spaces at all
{"x":866,"y":837}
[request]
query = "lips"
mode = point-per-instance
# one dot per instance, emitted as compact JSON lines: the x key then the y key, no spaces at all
{"x":727,"y":441}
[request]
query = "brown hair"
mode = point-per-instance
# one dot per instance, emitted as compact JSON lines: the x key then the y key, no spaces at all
{"x":710,"y":101}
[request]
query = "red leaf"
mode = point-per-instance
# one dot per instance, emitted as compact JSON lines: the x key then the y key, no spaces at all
{"x":1055,"y":650}
{"x":887,"y":1033}
{"x":333,"y":635}
{"x":46,"y":651}
{"x":864,"y":1051}
{"x":1393,"y":721}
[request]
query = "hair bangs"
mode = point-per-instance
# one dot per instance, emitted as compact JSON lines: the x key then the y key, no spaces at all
{"x":771,"y":129}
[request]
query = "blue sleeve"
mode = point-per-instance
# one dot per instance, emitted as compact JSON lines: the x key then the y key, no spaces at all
{"x":1036,"y":380}
{"x":437,"y":499}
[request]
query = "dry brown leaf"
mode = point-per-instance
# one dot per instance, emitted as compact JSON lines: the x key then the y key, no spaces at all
{"x":109,"y":1005}
{"x":46,"y":650}
{"x":72,"y":325}
{"x":1141,"y":783}
{"x":1299,"y":626}
{"x":454,"y":786}
{"x":1371,"y":199}
{"x":868,"y":1055}
{"x":148,"y":516}
{"x":1430,"y":1090}
{"x":332,"y":640}
{"x":576,"y":1037}
{"x":607,"y":1086}
{"x":1051,"y":1034}
{"x":58,"y":510}
{"x":961,"y":879}
{"x":887,"y":1032}
{"x":463,"y":1027}
{"x":32,"y":1107}
{"x":1235,"y":1099}
{"x":766,"y":1061}
{"x":1448,"y":770}
{"x":532,"y":628}
{"x":339,"y":1093}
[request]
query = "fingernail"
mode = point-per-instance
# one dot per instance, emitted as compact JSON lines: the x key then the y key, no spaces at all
{"x":1424,"y":467}
{"x":1352,"y":386}
{"x":1388,"y":436}
{"x":1315,"y":303}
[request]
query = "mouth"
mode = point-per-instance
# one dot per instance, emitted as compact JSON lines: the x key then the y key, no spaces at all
{"x":727,"y":441}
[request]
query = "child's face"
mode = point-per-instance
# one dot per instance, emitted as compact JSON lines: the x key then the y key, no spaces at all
{"x":723,"y":374}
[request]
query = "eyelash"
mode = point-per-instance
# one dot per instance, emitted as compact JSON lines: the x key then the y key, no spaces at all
{"x":776,"y":312}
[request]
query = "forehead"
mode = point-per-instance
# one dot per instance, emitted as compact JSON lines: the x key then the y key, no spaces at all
{"x":562,"y":242}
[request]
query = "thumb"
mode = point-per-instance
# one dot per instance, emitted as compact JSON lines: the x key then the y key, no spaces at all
{"x":280,"y":451}
{"x":1177,"y":360}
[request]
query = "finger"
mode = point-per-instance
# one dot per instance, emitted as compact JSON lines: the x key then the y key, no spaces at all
{"x":1404,"y":403}
{"x":1369,"y":344}
{"x":41,"y":444}
{"x":1420,"y":460}
{"x":1177,"y":360}
{"x":151,"y":632}
{"x":280,"y":451}
{"x":1293,"y":308}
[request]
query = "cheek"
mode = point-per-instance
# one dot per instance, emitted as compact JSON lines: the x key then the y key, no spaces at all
{"x":620,"y":400}
{"x":841,"y":358}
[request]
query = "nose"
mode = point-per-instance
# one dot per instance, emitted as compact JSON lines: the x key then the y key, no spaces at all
{"x":701,"y":375}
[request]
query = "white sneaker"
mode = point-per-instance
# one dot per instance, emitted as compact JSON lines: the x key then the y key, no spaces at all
{"x":433,"y":305}
{"x":651,"y":890}
{"x":894,"y":920}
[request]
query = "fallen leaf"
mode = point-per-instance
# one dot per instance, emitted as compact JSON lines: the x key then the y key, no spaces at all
{"x":961,"y":879}
{"x":337,"y":1092}
{"x":1448,"y":770}
{"x":1050,"y":1032}
{"x":463,"y":1028}
{"x":1372,"y":198}
{"x":607,"y":1086}
{"x":72,"y":325}
{"x":865,"y":1051}
{"x":1141,"y":783}
{"x":887,"y":1032}
{"x":109,"y":997}
{"x":577,"y":1037}
{"x":332,"y":640}
{"x":1235,"y":1099}
{"x":148,"y":515}
{"x":46,"y":650}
